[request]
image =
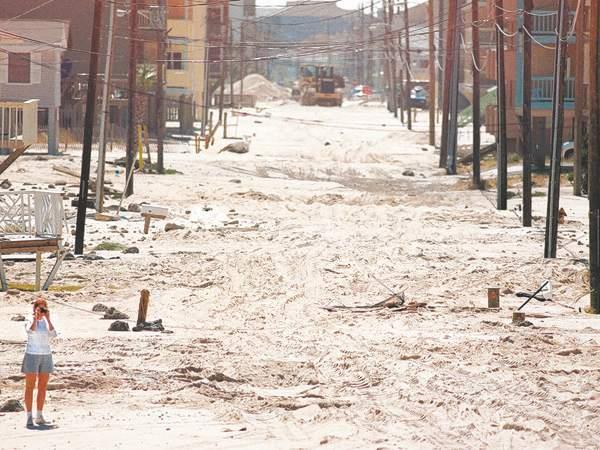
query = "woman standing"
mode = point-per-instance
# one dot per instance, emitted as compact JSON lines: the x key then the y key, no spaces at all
{"x":37,"y":363}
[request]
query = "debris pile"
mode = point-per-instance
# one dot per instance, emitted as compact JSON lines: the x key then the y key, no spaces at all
{"x":261,"y":88}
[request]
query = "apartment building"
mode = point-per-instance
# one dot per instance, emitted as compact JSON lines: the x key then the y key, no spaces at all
{"x":544,"y":25}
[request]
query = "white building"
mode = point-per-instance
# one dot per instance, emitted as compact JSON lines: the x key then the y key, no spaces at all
{"x":30,"y":66}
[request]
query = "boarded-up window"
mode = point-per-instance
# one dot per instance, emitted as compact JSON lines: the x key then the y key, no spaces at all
{"x":177,"y":9}
{"x":19,"y":68}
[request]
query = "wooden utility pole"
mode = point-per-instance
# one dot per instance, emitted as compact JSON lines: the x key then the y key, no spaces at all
{"x":242,"y":61}
{"x":441,"y":56}
{"x":90,"y":119}
{"x":390,"y":54}
{"x":560,"y":67}
{"x":501,"y":144}
{"x":450,"y":52}
{"x":594,"y":158}
{"x":131,"y":128}
{"x":231,"y":77}
{"x":161,"y":41}
{"x":408,"y":83}
{"x":432,"y":75}
{"x":105,"y":112}
{"x":476,"y":95}
{"x":224,"y":46}
{"x":453,"y":109}
{"x":400,"y":95}
{"x":526,"y":141}
{"x":580,"y":99}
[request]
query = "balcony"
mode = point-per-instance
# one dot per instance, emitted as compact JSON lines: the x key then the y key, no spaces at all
{"x":545,"y":25}
{"x":152,"y":18}
{"x":543,"y":90}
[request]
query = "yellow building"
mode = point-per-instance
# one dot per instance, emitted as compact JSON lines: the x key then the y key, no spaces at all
{"x":185,"y":71}
{"x":187,"y":34}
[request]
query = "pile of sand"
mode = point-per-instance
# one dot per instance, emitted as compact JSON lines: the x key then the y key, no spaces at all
{"x":263,"y":89}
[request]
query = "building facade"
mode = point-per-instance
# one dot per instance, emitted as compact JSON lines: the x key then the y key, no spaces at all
{"x":31,"y":58}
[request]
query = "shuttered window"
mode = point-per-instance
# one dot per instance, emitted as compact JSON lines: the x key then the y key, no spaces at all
{"x":19,"y":68}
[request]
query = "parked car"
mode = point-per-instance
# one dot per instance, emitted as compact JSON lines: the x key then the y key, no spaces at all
{"x":418,"y":98}
{"x":568,"y":151}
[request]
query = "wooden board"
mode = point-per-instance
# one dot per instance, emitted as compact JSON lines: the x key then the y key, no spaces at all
{"x":33,"y":242}
{"x":11,"y":158}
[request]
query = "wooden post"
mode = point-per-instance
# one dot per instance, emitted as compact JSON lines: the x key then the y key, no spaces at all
{"x":594,"y":158}
{"x":476,"y":96}
{"x":580,"y":99}
{"x":143,"y":306}
{"x":560,"y":66}
{"x":432,"y":75}
{"x":408,"y":83}
{"x":225,"y":126}
{"x":38,"y":271}
{"x":526,"y":141}
{"x":502,"y":150}
{"x":448,"y":69}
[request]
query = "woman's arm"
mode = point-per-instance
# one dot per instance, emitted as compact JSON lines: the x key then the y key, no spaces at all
{"x":31,"y":325}
{"x":51,"y":330}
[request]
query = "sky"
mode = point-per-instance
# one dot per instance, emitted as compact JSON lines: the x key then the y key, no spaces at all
{"x":346,"y":4}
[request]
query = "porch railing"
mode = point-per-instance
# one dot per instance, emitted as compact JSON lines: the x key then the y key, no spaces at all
{"x":543,"y":89}
{"x":18,"y":124}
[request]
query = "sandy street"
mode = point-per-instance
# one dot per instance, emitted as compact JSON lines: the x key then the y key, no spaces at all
{"x":331,"y":207}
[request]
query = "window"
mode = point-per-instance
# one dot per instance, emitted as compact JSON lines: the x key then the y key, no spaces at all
{"x":175,"y":61}
{"x":177,"y":9}
{"x":19,"y":68}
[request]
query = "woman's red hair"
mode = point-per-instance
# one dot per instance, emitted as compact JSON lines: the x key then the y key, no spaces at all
{"x":40,"y":302}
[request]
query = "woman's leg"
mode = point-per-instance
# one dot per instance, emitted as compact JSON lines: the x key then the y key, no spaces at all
{"x":41,"y":391}
{"x":30,"y":379}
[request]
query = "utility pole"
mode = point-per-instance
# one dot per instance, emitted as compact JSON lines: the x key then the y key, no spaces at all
{"x":161,"y":36}
{"x":476,"y":96}
{"x":408,"y":83}
{"x":560,"y":66}
{"x":594,"y":158}
{"x":242,"y":62}
{"x":432,"y":75}
{"x":453,"y":109}
{"x":501,"y":150}
{"x":90,"y":118}
{"x":526,"y":141}
{"x":400,"y":95}
{"x":390,"y":55}
{"x":231,"y":78}
{"x":105,"y":116}
{"x":580,"y":99}
{"x":441,"y":56}
{"x":450,"y":53}
{"x":133,"y":39}
{"x":224,"y":34}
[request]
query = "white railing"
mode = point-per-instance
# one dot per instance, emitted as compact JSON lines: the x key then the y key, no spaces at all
{"x":32,"y":213}
{"x":18,"y":124}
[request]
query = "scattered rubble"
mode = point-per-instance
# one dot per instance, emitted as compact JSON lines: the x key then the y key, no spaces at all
{"x":12,"y":405}
{"x":99,"y":307}
{"x":237,"y":147}
{"x":173,"y":226}
{"x":115,"y":314}
{"x":119,"y":326}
